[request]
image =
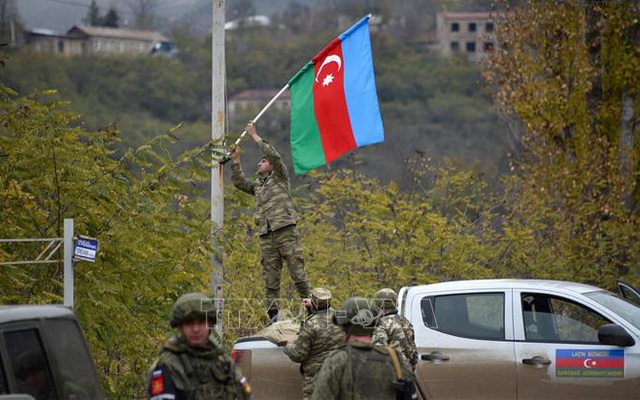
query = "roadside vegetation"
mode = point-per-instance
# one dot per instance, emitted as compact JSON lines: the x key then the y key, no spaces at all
{"x":129,"y":160}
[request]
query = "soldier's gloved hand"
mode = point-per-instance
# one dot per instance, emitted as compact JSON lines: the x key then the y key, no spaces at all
{"x":282,"y":343}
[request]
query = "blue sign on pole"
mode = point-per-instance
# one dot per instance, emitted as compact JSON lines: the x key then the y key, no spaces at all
{"x":86,"y":249}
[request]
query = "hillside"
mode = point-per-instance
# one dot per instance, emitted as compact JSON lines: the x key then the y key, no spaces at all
{"x":430,"y":106}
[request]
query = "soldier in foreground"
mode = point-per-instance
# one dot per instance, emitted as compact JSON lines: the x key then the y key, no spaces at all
{"x":359,"y":370}
{"x":393,"y":329}
{"x":317,"y":337}
{"x":279,"y":238}
{"x":190,"y":365}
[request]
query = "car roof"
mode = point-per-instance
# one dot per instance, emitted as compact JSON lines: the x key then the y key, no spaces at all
{"x":12,"y":313}
{"x":507,"y":284}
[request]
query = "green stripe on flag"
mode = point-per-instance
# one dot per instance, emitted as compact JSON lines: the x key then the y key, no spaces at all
{"x":306,"y":144}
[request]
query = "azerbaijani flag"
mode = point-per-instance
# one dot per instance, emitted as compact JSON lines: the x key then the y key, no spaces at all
{"x":590,"y":363}
{"x":334,"y":105}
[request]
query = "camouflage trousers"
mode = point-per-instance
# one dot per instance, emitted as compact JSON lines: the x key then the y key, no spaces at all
{"x":308,"y":384}
{"x":277,"y":247}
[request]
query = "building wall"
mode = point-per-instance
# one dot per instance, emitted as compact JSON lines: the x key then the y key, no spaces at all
{"x":472,"y":34}
{"x":79,"y":42}
{"x":99,"y":45}
{"x":256,"y":99}
{"x":54,"y":45}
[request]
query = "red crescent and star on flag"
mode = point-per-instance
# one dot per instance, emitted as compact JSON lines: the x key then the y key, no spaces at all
{"x":328,"y":79}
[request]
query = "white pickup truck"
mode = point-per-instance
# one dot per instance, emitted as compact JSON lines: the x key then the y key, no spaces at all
{"x":498,"y":339}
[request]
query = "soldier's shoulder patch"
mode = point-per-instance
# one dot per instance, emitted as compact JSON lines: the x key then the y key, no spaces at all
{"x":157,"y":382}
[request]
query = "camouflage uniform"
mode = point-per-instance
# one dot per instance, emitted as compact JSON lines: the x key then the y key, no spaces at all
{"x":194,"y":372}
{"x":359,"y":370}
{"x":318,"y":336}
{"x":394,"y":329}
{"x":184,"y":372}
{"x":279,"y":239}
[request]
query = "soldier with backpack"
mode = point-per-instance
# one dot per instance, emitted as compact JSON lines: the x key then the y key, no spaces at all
{"x":359,"y":370}
{"x":392,"y":328}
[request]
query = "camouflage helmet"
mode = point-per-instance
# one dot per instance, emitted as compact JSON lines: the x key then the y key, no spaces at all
{"x":386,"y":299}
{"x":356,"y":316}
{"x":192,"y":306}
{"x":321,"y":298}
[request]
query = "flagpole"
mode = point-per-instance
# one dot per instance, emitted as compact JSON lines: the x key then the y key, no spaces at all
{"x":256,"y":118}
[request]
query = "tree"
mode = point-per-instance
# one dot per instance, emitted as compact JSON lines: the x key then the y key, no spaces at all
{"x":143,"y":12}
{"x":10,"y":24}
{"x":241,"y":11}
{"x":111,"y":19}
{"x":144,"y":206}
{"x":568,"y":74}
{"x":93,"y":17}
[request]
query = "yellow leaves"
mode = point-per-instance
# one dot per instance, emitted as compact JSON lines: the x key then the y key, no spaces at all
{"x":182,"y":201}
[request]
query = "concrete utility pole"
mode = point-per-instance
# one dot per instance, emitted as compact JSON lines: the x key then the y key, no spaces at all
{"x":218,"y":86}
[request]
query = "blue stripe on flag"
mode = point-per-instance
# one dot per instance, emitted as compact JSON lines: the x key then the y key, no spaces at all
{"x":360,"y":85}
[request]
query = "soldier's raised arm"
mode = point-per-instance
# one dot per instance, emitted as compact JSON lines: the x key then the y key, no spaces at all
{"x":270,"y":152}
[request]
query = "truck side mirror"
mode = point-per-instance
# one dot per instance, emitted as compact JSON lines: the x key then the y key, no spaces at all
{"x":614,"y":335}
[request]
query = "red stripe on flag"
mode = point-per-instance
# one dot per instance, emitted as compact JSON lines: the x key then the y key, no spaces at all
{"x":329,"y":103}
{"x":590,"y":363}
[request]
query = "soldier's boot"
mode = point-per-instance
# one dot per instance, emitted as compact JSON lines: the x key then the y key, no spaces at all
{"x":273,"y":315}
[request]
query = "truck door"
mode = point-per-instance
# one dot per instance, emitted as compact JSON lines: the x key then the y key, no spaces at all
{"x":48,"y":358}
{"x":560,"y":355}
{"x":463,"y":350}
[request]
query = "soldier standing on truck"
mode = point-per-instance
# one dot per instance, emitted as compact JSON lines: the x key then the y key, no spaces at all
{"x":359,"y":370}
{"x":393,"y":329}
{"x":190,"y":365}
{"x":279,"y":238}
{"x":317,"y":337}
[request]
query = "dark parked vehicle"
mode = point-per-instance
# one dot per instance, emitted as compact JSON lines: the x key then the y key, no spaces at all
{"x":44,"y":355}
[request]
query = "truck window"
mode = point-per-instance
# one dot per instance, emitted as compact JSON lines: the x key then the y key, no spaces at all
{"x":30,"y":367}
{"x":76,"y":369}
{"x":470,"y":315}
{"x":556,"y":319}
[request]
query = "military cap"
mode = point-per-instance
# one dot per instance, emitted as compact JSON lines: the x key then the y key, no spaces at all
{"x":321,"y":298}
{"x":385,"y":299}
{"x":356,"y":316}
{"x":192,"y":306}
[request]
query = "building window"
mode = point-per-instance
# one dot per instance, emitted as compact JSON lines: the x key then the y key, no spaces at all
{"x":455,"y":27}
{"x":471,"y":47}
{"x":472,"y":26}
{"x":455,"y":46}
{"x":488,"y":46}
{"x":488,"y":27}
{"x":60,"y":46}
